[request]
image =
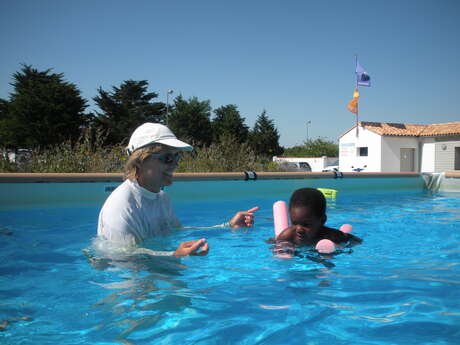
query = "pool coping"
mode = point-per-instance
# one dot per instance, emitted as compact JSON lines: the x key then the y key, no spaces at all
{"x":118,"y":177}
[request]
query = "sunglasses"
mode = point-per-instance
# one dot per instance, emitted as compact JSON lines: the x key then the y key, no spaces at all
{"x":167,"y":158}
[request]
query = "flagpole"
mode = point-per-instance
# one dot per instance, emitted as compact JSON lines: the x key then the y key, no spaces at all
{"x":357,"y":103}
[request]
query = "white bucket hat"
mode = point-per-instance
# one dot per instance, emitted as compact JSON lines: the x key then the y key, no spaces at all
{"x":154,"y":133}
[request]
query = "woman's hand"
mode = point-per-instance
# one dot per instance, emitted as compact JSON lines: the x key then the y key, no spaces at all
{"x":192,"y":248}
{"x":243,"y":219}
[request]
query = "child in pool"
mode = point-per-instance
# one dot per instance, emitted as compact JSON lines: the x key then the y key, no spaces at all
{"x":307,"y":210}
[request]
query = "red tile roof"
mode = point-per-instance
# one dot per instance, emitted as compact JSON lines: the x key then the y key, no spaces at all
{"x":441,"y":129}
{"x":411,"y":130}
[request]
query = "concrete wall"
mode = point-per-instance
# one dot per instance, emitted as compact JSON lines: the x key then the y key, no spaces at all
{"x":427,"y":146}
{"x":445,"y":153}
{"x":349,"y":151}
{"x":391,"y":148}
{"x":317,"y":164}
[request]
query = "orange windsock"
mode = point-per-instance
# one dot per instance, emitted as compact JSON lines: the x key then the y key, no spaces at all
{"x":353,"y":105}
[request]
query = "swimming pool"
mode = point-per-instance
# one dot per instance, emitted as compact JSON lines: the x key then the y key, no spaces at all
{"x":401,"y":286}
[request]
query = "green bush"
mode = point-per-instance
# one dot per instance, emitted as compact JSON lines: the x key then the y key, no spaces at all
{"x":85,"y":156}
{"x":65,"y":158}
{"x":7,"y":166}
{"x":88,"y":155}
{"x":227,"y":155}
{"x":314,"y":148}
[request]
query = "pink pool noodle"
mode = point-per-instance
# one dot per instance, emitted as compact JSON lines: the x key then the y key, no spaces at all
{"x":325,"y":247}
{"x":347,"y":228}
{"x":280,"y":216}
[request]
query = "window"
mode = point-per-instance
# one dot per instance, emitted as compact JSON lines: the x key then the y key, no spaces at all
{"x":362,"y":151}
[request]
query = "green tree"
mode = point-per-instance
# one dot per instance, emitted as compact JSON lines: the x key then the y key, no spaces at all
{"x":125,"y":108}
{"x":314,"y":148}
{"x":264,"y":137}
{"x":190,"y":120}
{"x":3,"y":109}
{"x":43,"y":110}
{"x":3,"y":117}
{"x":228,"y":122}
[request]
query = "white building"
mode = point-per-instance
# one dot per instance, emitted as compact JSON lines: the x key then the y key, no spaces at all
{"x":399,"y":147}
{"x":314,"y":164}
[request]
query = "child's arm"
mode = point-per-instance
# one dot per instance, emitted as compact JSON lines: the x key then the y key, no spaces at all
{"x":353,"y":240}
{"x":287,"y":234}
{"x":339,"y":237}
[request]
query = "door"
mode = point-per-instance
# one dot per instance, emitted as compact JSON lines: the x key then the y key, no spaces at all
{"x":407,"y":160}
{"x":457,"y":158}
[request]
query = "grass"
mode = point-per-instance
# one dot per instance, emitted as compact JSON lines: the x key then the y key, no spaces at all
{"x":88,"y":155}
{"x":225,"y":156}
{"x":85,"y":156}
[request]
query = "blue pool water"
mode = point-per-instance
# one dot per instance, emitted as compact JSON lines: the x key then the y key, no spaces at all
{"x":401,"y":286}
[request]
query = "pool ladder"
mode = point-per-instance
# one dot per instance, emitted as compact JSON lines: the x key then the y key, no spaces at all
{"x":433,"y":181}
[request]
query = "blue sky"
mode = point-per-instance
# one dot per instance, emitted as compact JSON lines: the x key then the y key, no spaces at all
{"x":294,"y":59}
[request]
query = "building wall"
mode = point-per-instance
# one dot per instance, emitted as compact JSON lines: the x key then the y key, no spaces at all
{"x":427,"y":146}
{"x":431,"y":154}
{"x":317,"y":164}
{"x":445,"y":153}
{"x":349,"y":151}
{"x":391,"y":146}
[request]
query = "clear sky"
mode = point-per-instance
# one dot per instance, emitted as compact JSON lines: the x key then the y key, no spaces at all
{"x":293,"y":58}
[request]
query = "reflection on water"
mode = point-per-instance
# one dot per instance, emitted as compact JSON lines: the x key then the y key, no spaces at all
{"x":143,"y":291}
{"x":405,"y":276}
{"x":149,"y":297}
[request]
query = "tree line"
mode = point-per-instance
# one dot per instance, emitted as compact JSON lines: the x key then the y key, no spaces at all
{"x":44,"y":110}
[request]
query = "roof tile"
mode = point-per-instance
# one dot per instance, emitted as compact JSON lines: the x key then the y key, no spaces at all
{"x":411,"y":130}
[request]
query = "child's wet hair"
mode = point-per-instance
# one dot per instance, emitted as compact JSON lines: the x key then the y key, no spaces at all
{"x":309,"y":197}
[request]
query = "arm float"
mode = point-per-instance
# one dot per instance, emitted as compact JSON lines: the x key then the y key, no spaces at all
{"x":327,"y":246}
{"x":280,"y":216}
{"x":347,"y":228}
{"x":283,"y":250}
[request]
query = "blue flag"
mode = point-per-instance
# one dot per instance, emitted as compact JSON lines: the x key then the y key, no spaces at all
{"x":362,"y":78}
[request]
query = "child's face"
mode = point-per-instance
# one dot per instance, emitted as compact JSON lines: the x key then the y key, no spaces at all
{"x":307,"y":224}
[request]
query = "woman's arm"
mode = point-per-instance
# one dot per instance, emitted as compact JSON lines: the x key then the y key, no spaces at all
{"x":242,"y":219}
{"x":185,"y":249}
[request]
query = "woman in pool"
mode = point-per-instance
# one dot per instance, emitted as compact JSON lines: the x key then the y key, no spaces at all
{"x":307,"y":210}
{"x":138,"y":209}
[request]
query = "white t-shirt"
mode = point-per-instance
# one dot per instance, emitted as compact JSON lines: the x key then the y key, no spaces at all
{"x":132,"y":214}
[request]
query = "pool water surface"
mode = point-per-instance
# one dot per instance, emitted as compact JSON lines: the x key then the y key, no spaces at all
{"x":401,"y":286}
